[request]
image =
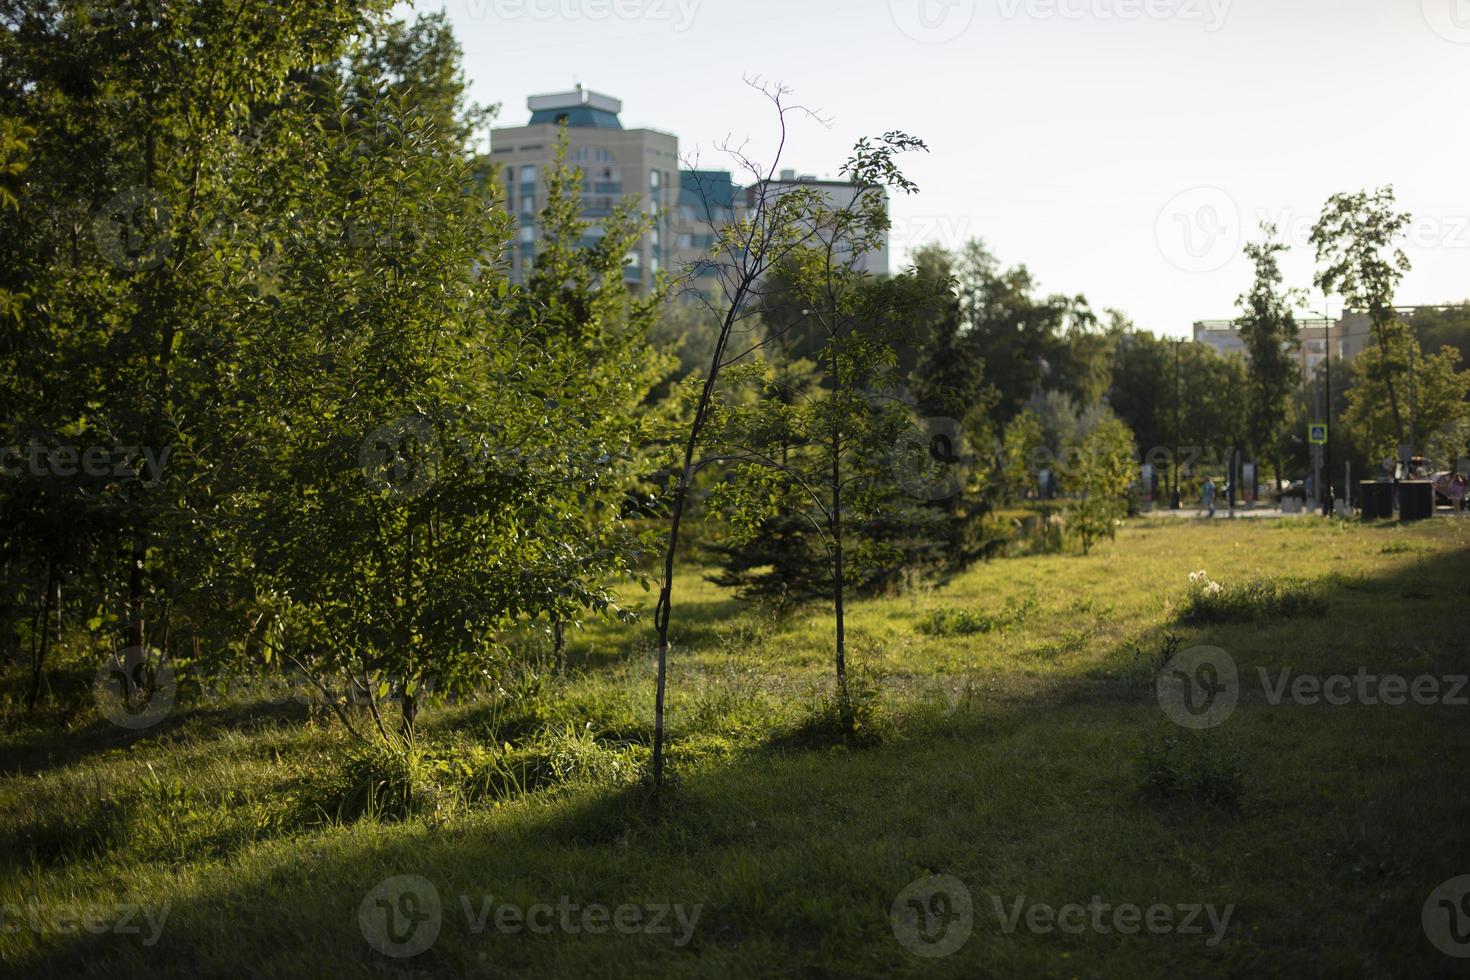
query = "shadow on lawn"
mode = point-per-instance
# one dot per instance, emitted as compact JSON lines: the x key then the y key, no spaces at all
{"x":33,"y":749}
{"x":706,"y":843}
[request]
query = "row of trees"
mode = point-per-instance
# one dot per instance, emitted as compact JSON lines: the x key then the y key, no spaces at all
{"x":270,"y":397}
{"x":254,"y":277}
{"x":255,"y":241}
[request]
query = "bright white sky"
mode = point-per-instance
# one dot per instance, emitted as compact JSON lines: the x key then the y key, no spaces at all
{"x":1118,"y":148}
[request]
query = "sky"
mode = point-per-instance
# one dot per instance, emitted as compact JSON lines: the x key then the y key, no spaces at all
{"x":1119,"y":149}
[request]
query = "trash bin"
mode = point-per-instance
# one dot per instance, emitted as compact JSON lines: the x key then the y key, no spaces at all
{"x":1416,"y":500}
{"x":1375,"y":500}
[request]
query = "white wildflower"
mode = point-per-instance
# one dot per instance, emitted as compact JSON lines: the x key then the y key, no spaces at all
{"x":1213,"y":589}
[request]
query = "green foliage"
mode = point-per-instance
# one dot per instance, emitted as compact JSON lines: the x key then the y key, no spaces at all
{"x":1272,"y":340}
{"x":567,"y":756}
{"x":1437,"y":404}
{"x":967,"y":622}
{"x":1023,"y":441}
{"x":376,"y":782}
{"x":1100,"y":471}
{"x":1193,"y":767}
{"x":1256,"y":599}
{"x":1357,"y":241}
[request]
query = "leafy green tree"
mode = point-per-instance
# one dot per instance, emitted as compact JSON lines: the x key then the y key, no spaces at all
{"x":440,"y":444}
{"x":140,"y":115}
{"x":1100,"y":472}
{"x":1023,"y":442}
{"x":576,"y":309}
{"x":1272,"y":339}
{"x":1446,"y":326}
{"x":1356,"y":239}
{"x":783,"y":223}
{"x":1438,"y":403}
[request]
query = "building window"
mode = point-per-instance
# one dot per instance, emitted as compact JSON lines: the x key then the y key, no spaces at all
{"x":528,"y":234}
{"x":528,"y":174}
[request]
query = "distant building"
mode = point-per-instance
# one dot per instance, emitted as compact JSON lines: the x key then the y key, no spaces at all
{"x":709,"y":200}
{"x":617,"y":164}
{"x":839,"y":194}
{"x":688,"y":207}
{"x":1348,"y":336}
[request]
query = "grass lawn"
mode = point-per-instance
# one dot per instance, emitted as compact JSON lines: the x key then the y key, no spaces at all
{"x":1028,"y":804}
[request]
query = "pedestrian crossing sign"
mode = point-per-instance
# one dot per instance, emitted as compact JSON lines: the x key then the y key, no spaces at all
{"x":1317,"y":433}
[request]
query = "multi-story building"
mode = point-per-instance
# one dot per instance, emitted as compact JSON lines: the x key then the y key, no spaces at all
{"x":688,"y":208}
{"x":709,"y":200}
{"x":839,"y":194}
{"x":1346,"y":336}
{"x":618,"y":164}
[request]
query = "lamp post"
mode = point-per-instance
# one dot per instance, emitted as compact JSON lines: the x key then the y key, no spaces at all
{"x":1174,"y":500}
{"x":1329,"y":496}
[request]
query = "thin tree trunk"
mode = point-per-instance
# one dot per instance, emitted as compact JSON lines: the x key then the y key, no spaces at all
{"x":39,"y":659}
{"x":137,"y":639}
{"x":559,"y":645}
{"x":665,"y":606}
{"x":837,"y":570}
{"x":410,"y":709}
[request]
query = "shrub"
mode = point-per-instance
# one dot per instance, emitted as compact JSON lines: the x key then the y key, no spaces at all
{"x":852,"y":721}
{"x":1260,"y":598}
{"x":966,"y":622}
{"x":1192,"y":766}
{"x":373,"y":781}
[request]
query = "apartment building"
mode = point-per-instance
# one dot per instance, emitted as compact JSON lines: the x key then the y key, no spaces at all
{"x":618,"y":164}
{"x":839,"y":194}
{"x":687,"y":207}
{"x":1346,"y":337}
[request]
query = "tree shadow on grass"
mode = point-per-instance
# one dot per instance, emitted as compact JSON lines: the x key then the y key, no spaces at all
{"x":34,"y":749}
{"x":796,"y":854}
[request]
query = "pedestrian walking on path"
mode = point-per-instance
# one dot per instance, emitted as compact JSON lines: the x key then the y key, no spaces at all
{"x":1207,"y":497}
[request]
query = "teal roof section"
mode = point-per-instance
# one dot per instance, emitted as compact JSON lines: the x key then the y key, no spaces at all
{"x":577,"y":117}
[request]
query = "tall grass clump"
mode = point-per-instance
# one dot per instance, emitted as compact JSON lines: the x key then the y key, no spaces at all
{"x":1209,"y":602}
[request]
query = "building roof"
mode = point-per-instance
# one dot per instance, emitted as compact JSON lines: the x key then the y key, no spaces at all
{"x":580,"y":108}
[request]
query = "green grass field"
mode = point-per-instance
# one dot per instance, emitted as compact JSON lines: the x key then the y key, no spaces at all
{"x":1023,"y":766}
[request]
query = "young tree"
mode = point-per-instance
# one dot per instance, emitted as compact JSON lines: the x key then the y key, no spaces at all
{"x":439,"y":443}
{"x":140,"y":115}
{"x":1100,"y":471}
{"x":1271,"y":338}
{"x":1439,"y":407}
{"x":779,"y":222}
{"x":1357,"y":246}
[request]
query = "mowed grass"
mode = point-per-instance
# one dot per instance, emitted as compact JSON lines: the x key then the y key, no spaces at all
{"x":1014,"y":734}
